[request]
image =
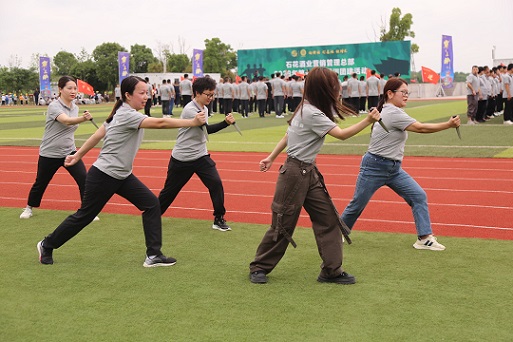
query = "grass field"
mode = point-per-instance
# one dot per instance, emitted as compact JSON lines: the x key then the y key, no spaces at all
{"x":98,"y":290}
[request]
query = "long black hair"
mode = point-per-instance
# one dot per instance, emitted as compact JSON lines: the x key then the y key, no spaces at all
{"x":127,"y":86}
{"x":392,"y":85}
{"x":322,"y":90}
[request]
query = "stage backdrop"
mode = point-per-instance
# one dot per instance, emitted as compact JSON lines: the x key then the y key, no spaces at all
{"x":345,"y":59}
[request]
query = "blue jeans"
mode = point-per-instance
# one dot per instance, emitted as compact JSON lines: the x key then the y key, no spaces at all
{"x":376,"y":171}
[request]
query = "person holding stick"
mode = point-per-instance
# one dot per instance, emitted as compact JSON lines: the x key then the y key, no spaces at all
{"x":381,"y":165}
{"x":58,"y":142}
{"x":300,"y":184}
{"x":111,"y":174}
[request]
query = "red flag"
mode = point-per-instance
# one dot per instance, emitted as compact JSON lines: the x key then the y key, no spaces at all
{"x":84,"y":87}
{"x":368,"y":73}
{"x":430,"y":76}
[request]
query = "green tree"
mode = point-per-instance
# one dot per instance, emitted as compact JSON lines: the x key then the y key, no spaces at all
{"x":218,"y":57}
{"x":399,"y":28}
{"x":177,"y":62}
{"x":63,"y":63}
{"x":106,"y":58}
{"x":87,"y":71}
{"x":141,"y":58}
{"x":14,"y":80}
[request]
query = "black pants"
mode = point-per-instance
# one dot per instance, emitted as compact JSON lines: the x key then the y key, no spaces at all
{"x":261,"y":107}
{"x":227,"y":107}
{"x":46,"y":169}
{"x":186,"y":99}
{"x":499,"y":103}
{"x":481,"y":109}
{"x":165,"y":107}
{"x":490,"y":106}
{"x":508,"y":109}
{"x":244,"y":108}
{"x":147,"y":107}
{"x":372,"y":102}
{"x":99,"y":188}
{"x":179,"y":173}
{"x":363,"y":100}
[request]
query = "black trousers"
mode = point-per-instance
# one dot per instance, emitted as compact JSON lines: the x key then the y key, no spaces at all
{"x":147,"y":107}
{"x":499,"y":103}
{"x":508,"y":109}
{"x":261,"y":107}
{"x":227,"y":107}
{"x":372,"y":102}
{"x":46,"y":169}
{"x":481,"y":109}
{"x":363,"y":100}
{"x":185,"y":100}
{"x":244,"y":108}
{"x":99,"y":188}
{"x":179,"y":173}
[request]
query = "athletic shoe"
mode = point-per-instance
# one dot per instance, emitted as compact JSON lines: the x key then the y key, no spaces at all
{"x":471,"y":122}
{"x":344,"y":279}
{"x":96,"y":218}
{"x":26,"y":214}
{"x":508,"y":122}
{"x":220,"y":224}
{"x":258,"y":277}
{"x":45,"y":254}
{"x":159,"y":260}
{"x":429,"y":243}
{"x":279,"y":116}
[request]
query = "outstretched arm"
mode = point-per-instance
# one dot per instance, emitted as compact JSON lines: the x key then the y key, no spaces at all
{"x":265,"y":164}
{"x":88,"y":145}
{"x":173,"y":123}
{"x":419,"y":127}
{"x":346,"y":133}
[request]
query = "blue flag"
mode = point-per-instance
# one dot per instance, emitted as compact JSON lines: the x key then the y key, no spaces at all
{"x":447,"y":73}
{"x":123,"y":65}
{"x":44,"y":76}
{"x":197,"y":63}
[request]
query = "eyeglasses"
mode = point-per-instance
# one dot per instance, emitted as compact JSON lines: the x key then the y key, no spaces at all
{"x":405,"y":92}
{"x":208,"y":95}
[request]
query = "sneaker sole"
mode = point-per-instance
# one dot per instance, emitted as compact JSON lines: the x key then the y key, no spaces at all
{"x":430,"y":248}
{"x":25,"y":217}
{"x":220,"y":229}
{"x":328,"y":281}
{"x":158,"y":265}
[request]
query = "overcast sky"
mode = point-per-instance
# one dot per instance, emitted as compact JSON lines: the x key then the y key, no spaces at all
{"x":46,"y":27}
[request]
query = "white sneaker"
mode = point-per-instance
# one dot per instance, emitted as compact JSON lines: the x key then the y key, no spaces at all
{"x":508,"y":122}
{"x":96,"y":219}
{"x":279,"y":116}
{"x":429,"y":243}
{"x":26,"y":214}
{"x":471,"y":122}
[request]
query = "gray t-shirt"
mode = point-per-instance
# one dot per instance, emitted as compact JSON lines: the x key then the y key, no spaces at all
{"x":165,"y":93}
{"x":191,"y":143}
{"x":353,"y":87}
{"x":297,"y":87}
{"x":372,"y":84}
{"x":186,"y":87}
{"x":121,"y":142}
{"x":227,"y":90}
{"x":278,"y":84}
{"x":306,"y":133}
{"x":391,"y":145}
{"x":474,"y":82}
{"x":244,"y":91}
{"x":506,"y":79}
{"x":58,"y":139}
{"x":261,"y":90}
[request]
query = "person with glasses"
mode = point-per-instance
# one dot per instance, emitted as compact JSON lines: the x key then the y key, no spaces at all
{"x":190,"y":155}
{"x":381,"y":165}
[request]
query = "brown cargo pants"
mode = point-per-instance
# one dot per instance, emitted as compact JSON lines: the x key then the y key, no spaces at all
{"x":301,"y":185}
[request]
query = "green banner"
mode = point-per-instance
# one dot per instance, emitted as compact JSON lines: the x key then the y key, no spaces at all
{"x":345,"y":59}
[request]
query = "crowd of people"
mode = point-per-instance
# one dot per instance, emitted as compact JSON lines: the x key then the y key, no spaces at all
{"x":489,"y":92}
{"x":316,"y":104}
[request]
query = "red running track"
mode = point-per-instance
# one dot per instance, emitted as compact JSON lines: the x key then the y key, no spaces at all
{"x":468,"y":197}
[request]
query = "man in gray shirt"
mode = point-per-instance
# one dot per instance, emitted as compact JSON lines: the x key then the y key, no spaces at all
{"x":279,"y":91}
{"x":190,"y":155}
{"x":472,"y":95}
{"x":186,"y":90}
{"x":373,"y":90}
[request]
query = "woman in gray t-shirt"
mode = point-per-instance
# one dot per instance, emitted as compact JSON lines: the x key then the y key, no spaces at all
{"x":300,"y":184}
{"x":381,"y":165}
{"x":112,"y":173}
{"x":58,"y":141}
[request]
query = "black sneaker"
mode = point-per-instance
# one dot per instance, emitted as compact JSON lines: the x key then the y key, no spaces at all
{"x":258,"y":277}
{"x":160,"y":260}
{"x":45,"y":254}
{"x":344,"y":279}
{"x":220,"y":224}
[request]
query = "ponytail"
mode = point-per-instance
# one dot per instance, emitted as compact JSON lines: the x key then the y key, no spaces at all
{"x":114,"y":110}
